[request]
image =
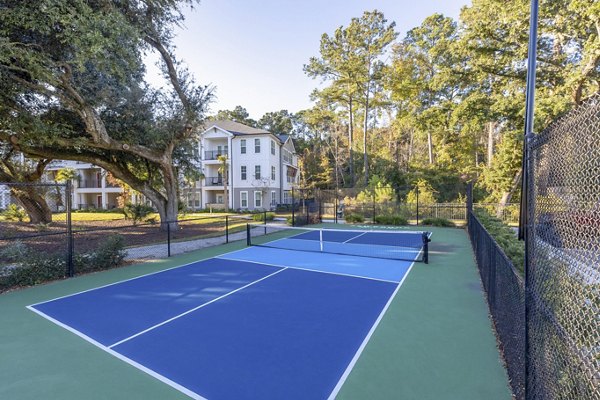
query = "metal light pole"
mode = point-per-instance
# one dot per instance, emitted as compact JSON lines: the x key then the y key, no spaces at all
{"x":526,"y":219}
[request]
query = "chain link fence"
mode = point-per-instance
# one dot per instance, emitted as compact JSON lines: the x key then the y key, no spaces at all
{"x":563,"y":274}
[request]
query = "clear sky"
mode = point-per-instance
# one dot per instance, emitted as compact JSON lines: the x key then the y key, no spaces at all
{"x":253,"y":51}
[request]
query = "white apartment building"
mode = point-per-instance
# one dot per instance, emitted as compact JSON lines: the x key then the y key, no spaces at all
{"x":262,"y":167}
{"x":91,"y":188}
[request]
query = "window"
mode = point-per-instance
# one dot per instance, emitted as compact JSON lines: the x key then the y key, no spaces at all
{"x":273,"y":198}
{"x":244,"y":199}
{"x":272,"y":173}
{"x":286,"y":197}
{"x":257,"y":145}
{"x":273,"y":147}
{"x":243,"y":172}
{"x":257,"y":199}
{"x":287,"y":156}
{"x":219,"y":199}
{"x":243,"y":146}
{"x":257,"y":172}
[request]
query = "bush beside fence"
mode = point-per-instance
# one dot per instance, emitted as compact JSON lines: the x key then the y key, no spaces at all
{"x":30,"y":257}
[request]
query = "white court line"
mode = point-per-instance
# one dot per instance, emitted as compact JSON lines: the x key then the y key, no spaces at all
{"x":121,"y":357}
{"x":346,"y":373}
{"x":307,"y":269}
{"x":352,"y":238}
{"x":192,"y":310}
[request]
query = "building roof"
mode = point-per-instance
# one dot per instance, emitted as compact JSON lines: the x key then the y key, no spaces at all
{"x":235,"y":128}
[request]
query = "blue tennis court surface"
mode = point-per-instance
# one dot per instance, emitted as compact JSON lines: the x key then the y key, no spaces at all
{"x":259,"y":323}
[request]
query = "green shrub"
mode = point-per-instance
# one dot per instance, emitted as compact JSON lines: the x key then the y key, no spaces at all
{"x":261,"y":216}
{"x":38,"y":268}
{"x":109,"y":254}
{"x":14,"y":251}
{"x":137,"y":212}
{"x":354,"y":218}
{"x":438,"y":222}
{"x":505,"y":237}
{"x":33,"y":267}
{"x":14,"y":213}
{"x":391,"y":220}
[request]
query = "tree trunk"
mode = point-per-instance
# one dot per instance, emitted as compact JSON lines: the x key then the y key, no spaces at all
{"x":430,"y":147}
{"x":167,"y":206}
{"x":490,"y":146}
{"x":350,"y":140}
{"x":34,"y":204}
{"x":365,"y":127}
{"x":507,"y":196}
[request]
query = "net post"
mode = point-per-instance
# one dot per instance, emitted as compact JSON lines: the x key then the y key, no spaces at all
{"x":321,"y":239}
{"x":248,"y":241}
{"x":227,"y":229}
{"x":265,"y":221}
{"x":426,"y":241}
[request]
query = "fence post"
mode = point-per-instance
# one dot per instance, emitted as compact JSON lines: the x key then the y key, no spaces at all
{"x":335,"y":210}
{"x":248,"y":242}
{"x":168,"y":238}
{"x":293,"y":207}
{"x":265,"y":221}
{"x":70,"y":266}
{"x":469,"y":206}
{"x":227,"y":229}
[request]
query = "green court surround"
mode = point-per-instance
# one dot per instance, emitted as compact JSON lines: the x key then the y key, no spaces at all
{"x":434,"y":342}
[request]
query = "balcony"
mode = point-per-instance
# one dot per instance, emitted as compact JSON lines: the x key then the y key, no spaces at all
{"x":213,"y":181}
{"x":214,"y":154}
{"x":89,"y":184}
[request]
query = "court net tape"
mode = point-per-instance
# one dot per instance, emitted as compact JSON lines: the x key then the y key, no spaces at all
{"x":396,"y":245}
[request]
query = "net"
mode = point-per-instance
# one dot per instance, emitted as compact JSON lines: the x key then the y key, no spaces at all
{"x":406,"y":246}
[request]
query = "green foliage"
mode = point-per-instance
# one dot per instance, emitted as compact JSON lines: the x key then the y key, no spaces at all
{"x":238,"y":114}
{"x":261,"y":216}
{"x":427,"y":194}
{"x":443,"y":222}
{"x":353,"y":217}
{"x":505,"y":237}
{"x":109,"y":254}
{"x":65,"y":174}
{"x":33,"y":267}
{"x":391,"y":220}
{"x":14,"y":213}
{"x":137,"y":212}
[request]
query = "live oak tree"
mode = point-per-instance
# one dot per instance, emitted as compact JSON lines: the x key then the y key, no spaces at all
{"x":28,"y":173}
{"x":72,"y":86}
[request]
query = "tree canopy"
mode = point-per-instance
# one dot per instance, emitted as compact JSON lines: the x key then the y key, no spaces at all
{"x":73,"y":87}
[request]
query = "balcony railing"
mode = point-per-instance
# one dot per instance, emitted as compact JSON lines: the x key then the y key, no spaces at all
{"x":213,"y":181}
{"x":214,"y":154}
{"x":89,"y":184}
